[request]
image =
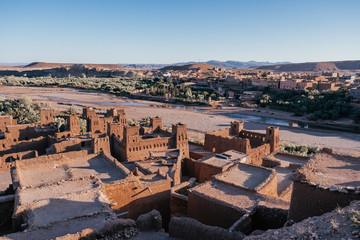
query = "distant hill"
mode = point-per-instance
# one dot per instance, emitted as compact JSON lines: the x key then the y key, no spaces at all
{"x":314,"y":66}
{"x":199,"y":66}
{"x":45,"y":65}
{"x":225,"y":64}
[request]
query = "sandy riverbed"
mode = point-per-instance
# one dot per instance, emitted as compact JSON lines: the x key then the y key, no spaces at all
{"x":197,"y":122}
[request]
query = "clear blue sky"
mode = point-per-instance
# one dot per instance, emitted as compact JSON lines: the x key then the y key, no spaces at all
{"x":167,"y":31}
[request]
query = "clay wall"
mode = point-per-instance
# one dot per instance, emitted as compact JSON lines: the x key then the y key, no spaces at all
{"x":130,"y":195}
{"x":5,"y":121}
{"x":73,"y":125}
{"x":118,"y":149}
{"x":51,"y":157}
{"x":8,"y":158}
{"x":99,"y":125}
{"x":6,"y":144}
{"x":156,"y":123}
{"x":179,"y":199}
{"x":211,"y":211}
{"x":88,"y":112}
{"x":269,"y":187}
{"x":309,"y":200}
{"x":65,"y":146}
{"x":256,"y":139}
{"x":6,"y":211}
{"x":63,"y":135}
{"x":93,"y":123}
{"x":256,"y":154}
{"x":141,"y":150}
{"x":188,"y":168}
{"x":116,"y":129}
{"x":256,"y":145}
{"x":236,"y":127}
{"x":100,"y":144}
{"x":180,"y":137}
{"x":190,"y":229}
{"x":207,"y":171}
{"x":21,"y":132}
{"x":219,"y":144}
{"x":46,"y":116}
{"x":261,"y":218}
{"x":273,"y":138}
{"x":134,"y":147}
{"x":121,"y":118}
{"x":178,"y":205}
{"x":39,"y":144}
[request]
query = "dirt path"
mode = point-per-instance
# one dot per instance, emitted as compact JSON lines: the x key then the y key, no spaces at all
{"x":199,"y":122}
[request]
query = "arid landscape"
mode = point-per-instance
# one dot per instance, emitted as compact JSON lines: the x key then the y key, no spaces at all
{"x":187,"y":120}
{"x":198,"y":119}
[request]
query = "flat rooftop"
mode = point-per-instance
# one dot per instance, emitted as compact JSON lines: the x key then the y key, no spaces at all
{"x":45,"y":211}
{"x":200,"y":150}
{"x":70,"y":168}
{"x":152,"y":166}
{"x":284,"y":178}
{"x":230,"y":195}
{"x":245,"y":175}
{"x":236,"y":197}
{"x":61,"y":208}
{"x":287,"y":159}
{"x":332,"y":170}
{"x":5,"y":180}
{"x":223,"y":159}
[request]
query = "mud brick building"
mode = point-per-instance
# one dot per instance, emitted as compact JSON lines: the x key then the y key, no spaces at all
{"x":327,"y":181}
{"x":233,"y":194}
{"x":134,"y":147}
{"x":256,"y":145}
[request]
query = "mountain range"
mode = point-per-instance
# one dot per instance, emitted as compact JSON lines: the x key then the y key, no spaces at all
{"x":225,"y":64}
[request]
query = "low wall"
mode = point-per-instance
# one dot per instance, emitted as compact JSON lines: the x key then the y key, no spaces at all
{"x":309,"y":200}
{"x":129,"y":195}
{"x":211,"y":211}
{"x":190,"y":229}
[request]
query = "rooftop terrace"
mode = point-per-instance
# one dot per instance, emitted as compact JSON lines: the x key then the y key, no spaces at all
{"x":245,"y":176}
{"x":329,"y":169}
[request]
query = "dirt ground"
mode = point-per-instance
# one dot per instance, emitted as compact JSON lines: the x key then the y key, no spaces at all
{"x":198,"y":119}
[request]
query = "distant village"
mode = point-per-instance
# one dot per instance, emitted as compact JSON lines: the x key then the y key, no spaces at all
{"x":230,"y":83}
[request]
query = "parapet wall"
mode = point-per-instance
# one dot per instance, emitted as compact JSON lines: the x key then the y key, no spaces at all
{"x":211,"y":211}
{"x":132,"y":196}
{"x":309,"y":199}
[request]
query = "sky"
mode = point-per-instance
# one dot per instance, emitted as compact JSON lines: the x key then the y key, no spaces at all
{"x":169,"y":31}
